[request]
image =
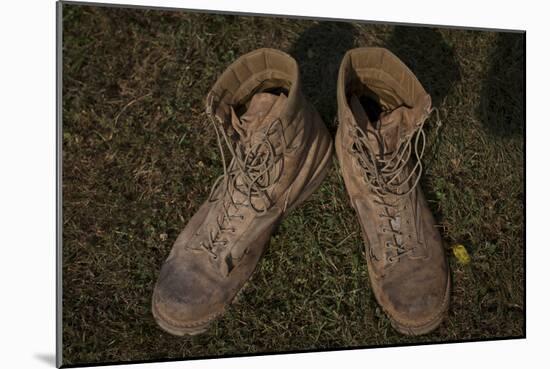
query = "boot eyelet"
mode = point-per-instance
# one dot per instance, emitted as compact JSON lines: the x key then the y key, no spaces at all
{"x":388,"y":244}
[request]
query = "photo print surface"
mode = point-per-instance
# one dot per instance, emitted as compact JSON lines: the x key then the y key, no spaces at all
{"x":241,"y":184}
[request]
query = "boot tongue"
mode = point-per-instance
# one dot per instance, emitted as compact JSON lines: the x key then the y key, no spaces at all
{"x":263,"y":109}
{"x":385,"y":134}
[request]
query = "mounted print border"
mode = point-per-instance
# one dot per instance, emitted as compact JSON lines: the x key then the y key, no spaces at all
{"x":138,"y":156}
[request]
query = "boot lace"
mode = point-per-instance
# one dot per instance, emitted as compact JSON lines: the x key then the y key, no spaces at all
{"x":253,"y":171}
{"x":384,"y":173}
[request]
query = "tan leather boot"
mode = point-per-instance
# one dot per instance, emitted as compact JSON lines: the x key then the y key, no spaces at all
{"x":382,"y":108}
{"x":280,"y":151}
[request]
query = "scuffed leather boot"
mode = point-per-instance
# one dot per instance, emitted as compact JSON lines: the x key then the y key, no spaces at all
{"x":382,"y":108}
{"x":280,"y":152}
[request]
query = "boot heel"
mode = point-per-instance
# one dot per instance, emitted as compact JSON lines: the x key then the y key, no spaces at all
{"x":322,"y":169}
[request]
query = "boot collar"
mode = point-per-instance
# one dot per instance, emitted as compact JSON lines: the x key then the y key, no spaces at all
{"x":259,"y":70}
{"x":386,"y":76}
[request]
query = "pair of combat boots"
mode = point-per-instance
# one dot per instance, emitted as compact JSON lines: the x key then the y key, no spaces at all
{"x":281,"y":152}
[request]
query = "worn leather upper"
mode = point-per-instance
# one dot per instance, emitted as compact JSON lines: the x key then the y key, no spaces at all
{"x":277,"y":141}
{"x":406,"y":260}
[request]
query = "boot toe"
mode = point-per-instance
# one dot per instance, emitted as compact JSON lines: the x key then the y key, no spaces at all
{"x":185,"y":298}
{"x":417,"y":304}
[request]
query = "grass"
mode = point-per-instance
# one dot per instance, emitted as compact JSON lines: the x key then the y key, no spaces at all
{"x":139,"y":158}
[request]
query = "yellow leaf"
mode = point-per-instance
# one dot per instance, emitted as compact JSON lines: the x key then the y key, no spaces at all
{"x":461,"y":254}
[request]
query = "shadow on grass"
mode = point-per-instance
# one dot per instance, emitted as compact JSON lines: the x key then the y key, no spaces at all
{"x":501,"y":105}
{"x":319,"y":51}
{"x":430,"y":58}
{"x":433,"y":61}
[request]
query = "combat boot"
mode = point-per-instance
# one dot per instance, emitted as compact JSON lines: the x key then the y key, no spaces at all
{"x":280,"y":152}
{"x":382,"y":108}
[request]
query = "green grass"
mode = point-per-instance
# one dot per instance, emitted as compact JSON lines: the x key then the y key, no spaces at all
{"x":139,"y":158}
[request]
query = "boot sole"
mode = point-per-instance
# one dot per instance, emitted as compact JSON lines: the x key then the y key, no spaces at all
{"x":180,"y":329}
{"x":194,"y":328}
